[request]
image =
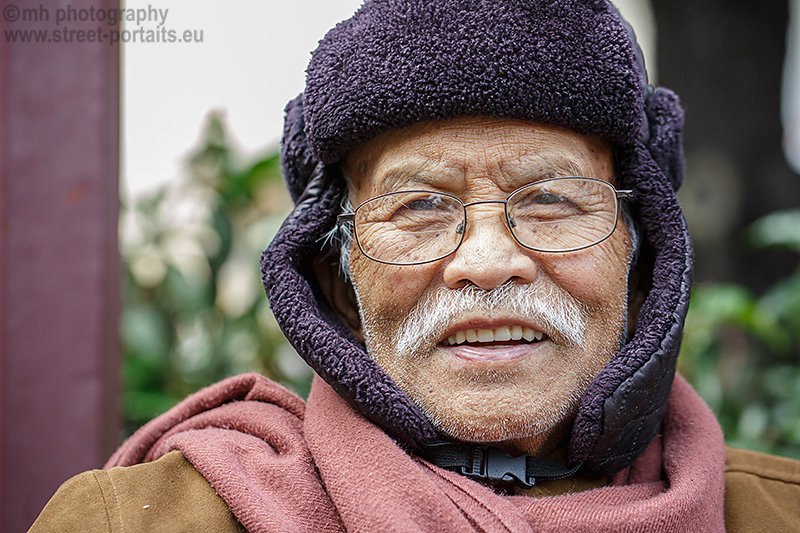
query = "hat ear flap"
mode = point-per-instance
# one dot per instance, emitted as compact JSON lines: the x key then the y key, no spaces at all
{"x":297,"y":159}
{"x":665,"y":142}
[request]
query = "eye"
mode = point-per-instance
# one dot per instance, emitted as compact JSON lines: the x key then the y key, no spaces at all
{"x":545,"y":204}
{"x":546,"y":198}
{"x":426,"y":203}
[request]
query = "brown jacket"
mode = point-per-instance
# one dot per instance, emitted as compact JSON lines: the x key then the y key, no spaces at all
{"x":762,"y":493}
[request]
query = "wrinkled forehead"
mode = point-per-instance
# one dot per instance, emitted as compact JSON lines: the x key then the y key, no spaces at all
{"x":512,"y":152}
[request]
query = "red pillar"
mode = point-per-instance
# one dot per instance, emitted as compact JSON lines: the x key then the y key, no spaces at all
{"x":59,"y":262}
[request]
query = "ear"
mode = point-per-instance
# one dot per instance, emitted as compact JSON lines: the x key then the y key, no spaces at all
{"x":338,"y":291}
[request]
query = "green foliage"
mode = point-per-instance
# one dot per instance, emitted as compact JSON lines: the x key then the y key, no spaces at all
{"x":742,"y":351}
{"x":194,"y":309}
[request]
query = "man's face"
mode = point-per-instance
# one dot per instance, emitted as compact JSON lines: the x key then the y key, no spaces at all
{"x":523,"y":392}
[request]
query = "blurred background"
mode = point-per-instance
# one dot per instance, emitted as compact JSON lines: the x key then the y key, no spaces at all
{"x":93,"y":345}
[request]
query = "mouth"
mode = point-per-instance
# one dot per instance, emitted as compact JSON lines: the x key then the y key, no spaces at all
{"x":502,"y":335}
{"x":494,"y":345}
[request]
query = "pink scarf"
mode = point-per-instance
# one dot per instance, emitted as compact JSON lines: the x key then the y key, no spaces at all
{"x":282,"y":466}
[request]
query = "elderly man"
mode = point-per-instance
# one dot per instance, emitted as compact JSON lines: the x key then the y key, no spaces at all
{"x":489,"y":272}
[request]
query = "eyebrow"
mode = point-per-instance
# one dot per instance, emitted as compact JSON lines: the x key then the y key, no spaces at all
{"x":568,"y":167}
{"x":553,"y":168}
{"x":530,"y":170}
{"x":416,"y":172}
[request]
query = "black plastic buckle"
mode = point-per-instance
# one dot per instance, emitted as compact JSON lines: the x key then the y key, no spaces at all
{"x":496,"y":465}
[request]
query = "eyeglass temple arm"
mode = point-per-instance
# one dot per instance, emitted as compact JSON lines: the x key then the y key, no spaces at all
{"x":627,"y":194}
{"x":345,"y":218}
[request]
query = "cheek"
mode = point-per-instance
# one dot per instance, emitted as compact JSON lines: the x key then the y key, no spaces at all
{"x":597,"y":276}
{"x":389,"y":292}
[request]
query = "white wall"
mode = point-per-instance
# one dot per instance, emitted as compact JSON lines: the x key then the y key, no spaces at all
{"x":250,"y":63}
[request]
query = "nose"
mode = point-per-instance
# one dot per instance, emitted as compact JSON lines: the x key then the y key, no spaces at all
{"x":488,"y":256}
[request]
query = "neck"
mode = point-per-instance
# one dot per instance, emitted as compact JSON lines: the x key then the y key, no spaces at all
{"x":551,"y":444}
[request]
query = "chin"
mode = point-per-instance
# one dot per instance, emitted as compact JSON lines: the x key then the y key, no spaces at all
{"x":488,"y":427}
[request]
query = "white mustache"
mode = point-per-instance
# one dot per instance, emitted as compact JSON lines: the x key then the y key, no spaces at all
{"x":552,"y":310}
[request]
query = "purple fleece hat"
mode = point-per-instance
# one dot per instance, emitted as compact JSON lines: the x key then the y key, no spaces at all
{"x":565,"y":62}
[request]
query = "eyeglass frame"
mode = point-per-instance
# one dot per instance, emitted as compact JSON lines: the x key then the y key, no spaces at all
{"x":625,"y":194}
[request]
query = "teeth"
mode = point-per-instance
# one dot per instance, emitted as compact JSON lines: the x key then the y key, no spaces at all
{"x":503,"y":333}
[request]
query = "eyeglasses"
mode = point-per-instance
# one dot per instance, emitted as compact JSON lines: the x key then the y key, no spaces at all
{"x":550,"y":215}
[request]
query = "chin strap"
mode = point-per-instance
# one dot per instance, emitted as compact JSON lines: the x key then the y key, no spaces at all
{"x":492,"y":464}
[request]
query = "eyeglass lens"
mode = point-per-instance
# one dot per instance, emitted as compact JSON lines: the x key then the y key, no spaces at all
{"x":553,"y":215}
{"x":409,"y":227}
